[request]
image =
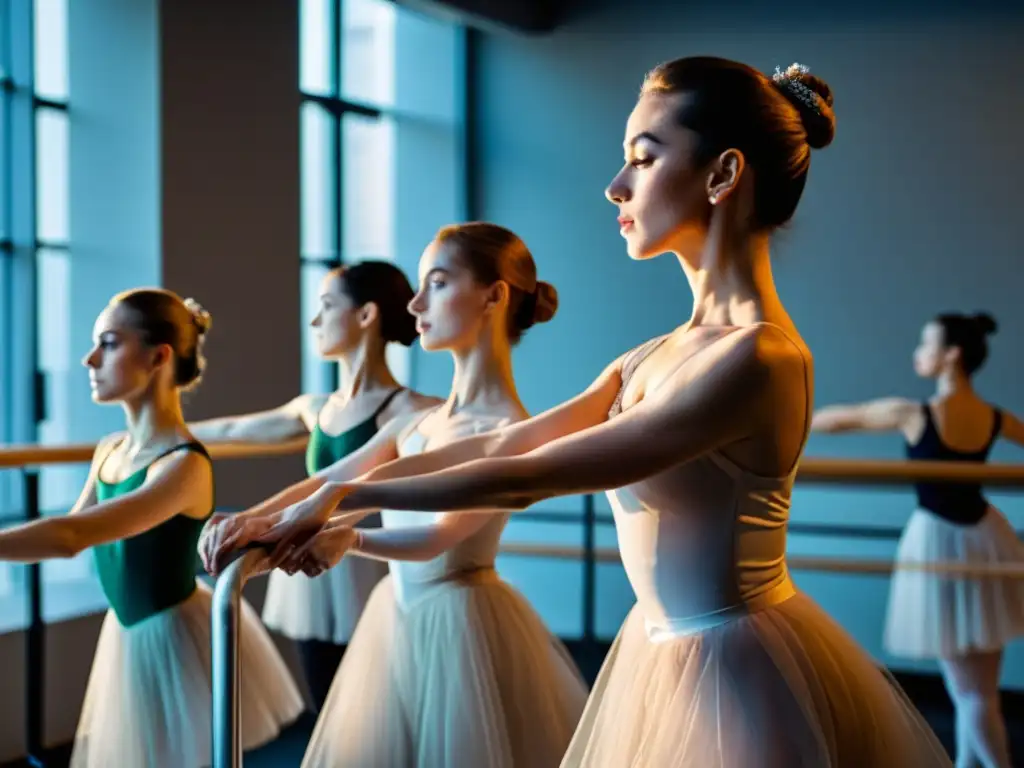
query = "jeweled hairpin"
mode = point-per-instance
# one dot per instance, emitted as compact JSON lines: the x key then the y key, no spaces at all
{"x":791,"y":79}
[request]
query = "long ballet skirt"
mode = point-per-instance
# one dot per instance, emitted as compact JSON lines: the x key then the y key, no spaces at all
{"x":148,"y":700}
{"x":326,"y":607}
{"x":449,"y":667}
{"x":723,"y":662}
{"x":934,"y":616}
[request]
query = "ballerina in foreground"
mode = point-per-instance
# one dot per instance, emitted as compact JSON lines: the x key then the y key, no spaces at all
{"x":697,"y":436}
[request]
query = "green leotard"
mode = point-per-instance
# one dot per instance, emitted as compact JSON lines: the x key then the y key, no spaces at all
{"x":324,"y":450}
{"x":155,"y":570}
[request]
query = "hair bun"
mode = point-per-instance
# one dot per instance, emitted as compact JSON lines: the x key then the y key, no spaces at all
{"x":813,"y":99}
{"x":986,"y":322}
{"x":200,"y":316}
{"x":546,"y":304}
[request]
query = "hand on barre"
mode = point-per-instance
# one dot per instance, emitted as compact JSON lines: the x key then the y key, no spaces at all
{"x":320,"y":552}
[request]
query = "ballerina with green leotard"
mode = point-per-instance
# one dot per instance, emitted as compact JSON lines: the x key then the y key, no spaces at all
{"x":148,"y":494}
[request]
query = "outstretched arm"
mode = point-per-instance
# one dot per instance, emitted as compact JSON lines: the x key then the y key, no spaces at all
{"x":419,"y":543}
{"x":587,"y":409}
{"x":1013,"y":428}
{"x":382,"y":448}
{"x":697,"y":410}
{"x":891,"y":414}
{"x":273,"y":426}
{"x":169,"y":490}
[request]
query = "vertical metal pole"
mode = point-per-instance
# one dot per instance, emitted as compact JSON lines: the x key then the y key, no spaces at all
{"x":35,"y":638}
{"x":589,"y":573}
{"x":227,"y":594}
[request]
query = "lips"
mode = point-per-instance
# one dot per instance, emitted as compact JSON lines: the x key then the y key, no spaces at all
{"x":625,"y":223}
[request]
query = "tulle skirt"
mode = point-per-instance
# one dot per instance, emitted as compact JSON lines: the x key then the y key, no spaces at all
{"x":933,"y":616}
{"x":467,"y":676}
{"x":148,"y":701}
{"x":325,"y":608}
{"x":785,"y":687}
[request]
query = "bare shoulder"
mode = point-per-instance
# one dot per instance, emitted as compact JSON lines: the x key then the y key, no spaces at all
{"x":762,"y":354}
{"x":409,"y":401}
{"x":306,"y":408}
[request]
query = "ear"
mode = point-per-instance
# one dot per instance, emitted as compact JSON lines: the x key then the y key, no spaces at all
{"x":369,"y":313}
{"x":497,"y":295}
{"x":724,"y":175}
{"x":162,"y":356}
{"x":952,"y":356}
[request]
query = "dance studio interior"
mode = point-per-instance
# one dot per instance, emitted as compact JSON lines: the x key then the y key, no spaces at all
{"x":459,"y":384}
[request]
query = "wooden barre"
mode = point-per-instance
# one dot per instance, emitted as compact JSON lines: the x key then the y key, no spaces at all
{"x":817,"y":471}
{"x":796,"y":563}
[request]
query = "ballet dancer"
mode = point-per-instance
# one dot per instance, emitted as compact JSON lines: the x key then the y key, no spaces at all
{"x":449,"y":665}
{"x":363,"y":308}
{"x":697,"y":436}
{"x":141,"y":511}
{"x":962,"y":622}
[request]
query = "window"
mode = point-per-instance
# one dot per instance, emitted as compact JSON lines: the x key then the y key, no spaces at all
{"x":356,"y":57}
{"x":68,"y":585}
{"x":33,"y":262}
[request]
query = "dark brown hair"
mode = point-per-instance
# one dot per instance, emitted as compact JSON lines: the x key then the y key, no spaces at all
{"x":163,"y":317}
{"x":383,"y":284}
{"x":969,"y":334}
{"x":493,"y":253}
{"x":774,"y":124}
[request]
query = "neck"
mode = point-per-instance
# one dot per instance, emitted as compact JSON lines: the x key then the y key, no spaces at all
{"x":152,"y":418}
{"x":364,"y":369}
{"x":732,"y":280}
{"x":483,"y":376}
{"x":952,"y":383}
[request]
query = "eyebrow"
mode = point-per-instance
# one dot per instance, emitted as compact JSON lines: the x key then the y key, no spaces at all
{"x":645,"y":136}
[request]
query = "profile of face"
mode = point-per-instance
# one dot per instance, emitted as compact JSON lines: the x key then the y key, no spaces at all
{"x":662,"y":196}
{"x":932,"y":357}
{"x":121,"y":366}
{"x":451,"y":307}
{"x":339,"y":324}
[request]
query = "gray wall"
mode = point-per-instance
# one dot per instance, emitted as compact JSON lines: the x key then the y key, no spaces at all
{"x":910,"y":211}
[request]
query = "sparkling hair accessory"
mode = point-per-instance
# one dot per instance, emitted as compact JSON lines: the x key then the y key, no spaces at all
{"x":199,"y":315}
{"x":791,"y":80}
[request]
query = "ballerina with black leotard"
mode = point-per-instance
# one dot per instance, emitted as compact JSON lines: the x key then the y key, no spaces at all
{"x":963,"y":622}
{"x":141,"y":511}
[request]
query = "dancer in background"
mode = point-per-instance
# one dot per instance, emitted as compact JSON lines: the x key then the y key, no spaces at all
{"x":363,"y":308}
{"x":449,"y":666}
{"x":964,"y":622}
{"x":697,"y":435}
{"x":141,"y":511}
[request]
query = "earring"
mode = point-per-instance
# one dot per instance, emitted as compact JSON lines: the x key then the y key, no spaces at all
{"x":713,"y":199}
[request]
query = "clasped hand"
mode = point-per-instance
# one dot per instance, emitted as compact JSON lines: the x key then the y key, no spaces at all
{"x":291,"y":536}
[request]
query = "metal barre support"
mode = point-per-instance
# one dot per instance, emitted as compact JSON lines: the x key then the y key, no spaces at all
{"x":227,"y":598}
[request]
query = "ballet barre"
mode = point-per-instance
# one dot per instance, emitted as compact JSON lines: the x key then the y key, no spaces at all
{"x":227,"y":598}
{"x":795,"y":563}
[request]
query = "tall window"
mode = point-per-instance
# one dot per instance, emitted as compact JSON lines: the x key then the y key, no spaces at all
{"x":58,"y":485}
{"x":378,"y":81}
{"x":34,"y":326}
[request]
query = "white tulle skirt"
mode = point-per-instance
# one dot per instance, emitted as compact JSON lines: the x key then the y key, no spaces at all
{"x":466,"y":676}
{"x":933,"y":616}
{"x":325,"y":608}
{"x":785,"y":687}
{"x":148,"y":701}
